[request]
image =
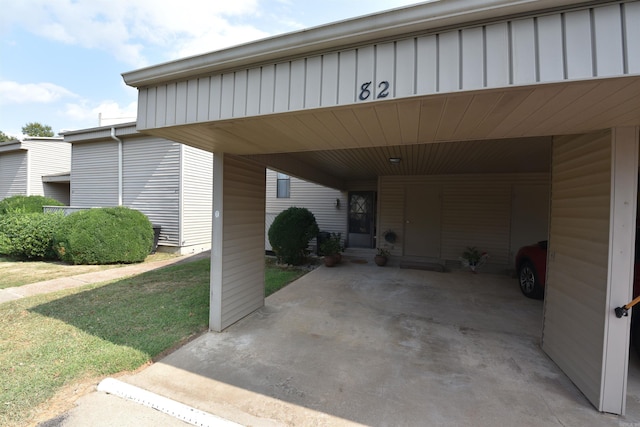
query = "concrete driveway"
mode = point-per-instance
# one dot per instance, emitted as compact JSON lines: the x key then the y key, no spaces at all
{"x":360,"y":344}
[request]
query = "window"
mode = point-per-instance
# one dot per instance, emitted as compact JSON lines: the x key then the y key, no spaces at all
{"x":284,"y":186}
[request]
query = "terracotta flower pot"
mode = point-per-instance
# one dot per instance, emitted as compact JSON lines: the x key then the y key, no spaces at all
{"x":380,"y":260}
{"x":330,"y":260}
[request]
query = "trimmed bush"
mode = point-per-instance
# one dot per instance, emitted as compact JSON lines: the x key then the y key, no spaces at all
{"x":104,"y":236}
{"x":30,"y":235}
{"x":290,"y":233}
{"x":26,"y":204}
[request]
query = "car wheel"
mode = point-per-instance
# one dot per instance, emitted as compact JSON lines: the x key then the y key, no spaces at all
{"x":528,"y":278}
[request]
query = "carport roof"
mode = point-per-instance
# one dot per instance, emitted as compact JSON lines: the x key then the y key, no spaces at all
{"x":340,"y":144}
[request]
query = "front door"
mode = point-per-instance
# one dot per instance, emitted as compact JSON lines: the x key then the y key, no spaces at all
{"x":362,"y":205}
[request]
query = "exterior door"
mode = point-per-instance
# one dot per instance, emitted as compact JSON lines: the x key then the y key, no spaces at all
{"x":362,"y":219}
{"x":422,"y":221}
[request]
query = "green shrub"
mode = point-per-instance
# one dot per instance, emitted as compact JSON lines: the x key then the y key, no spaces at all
{"x":290,"y":233}
{"x":104,"y":236}
{"x":29,"y":235}
{"x":26,"y":204}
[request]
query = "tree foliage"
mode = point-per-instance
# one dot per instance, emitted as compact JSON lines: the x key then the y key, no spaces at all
{"x":4,"y":137}
{"x":37,"y":129}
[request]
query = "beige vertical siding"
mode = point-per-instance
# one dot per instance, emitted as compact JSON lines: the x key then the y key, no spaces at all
{"x":13,"y":174}
{"x":577,"y":269}
{"x":320,"y":200}
{"x":94,"y":174}
{"x":551,"y":47}
{"x":197,"y":194}
{"x":151,"y":183}
{"x":237,"y":277}
{"x":475,"y":211}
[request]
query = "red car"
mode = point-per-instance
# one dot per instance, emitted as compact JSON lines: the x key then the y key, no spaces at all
{"x":531,"y":265}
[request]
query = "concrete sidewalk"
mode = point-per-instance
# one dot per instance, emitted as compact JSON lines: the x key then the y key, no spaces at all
{"x":11,"y":294}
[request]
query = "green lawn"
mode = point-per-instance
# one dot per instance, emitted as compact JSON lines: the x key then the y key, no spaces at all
{"x":52,"y":340}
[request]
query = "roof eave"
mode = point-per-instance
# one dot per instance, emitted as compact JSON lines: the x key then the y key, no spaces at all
{"x":422,"y":17}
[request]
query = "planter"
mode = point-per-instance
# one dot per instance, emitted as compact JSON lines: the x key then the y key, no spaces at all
{"x":330,"y":260}
{"x":380,"y":260}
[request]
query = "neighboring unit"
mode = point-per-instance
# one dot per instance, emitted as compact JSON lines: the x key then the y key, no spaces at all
{"x":169,"y":182}
{"x":35,"y":166}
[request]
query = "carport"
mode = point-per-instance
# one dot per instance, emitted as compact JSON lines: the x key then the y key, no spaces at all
{"x":468,"y":95}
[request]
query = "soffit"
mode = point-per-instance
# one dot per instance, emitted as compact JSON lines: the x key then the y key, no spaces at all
{"x":361,"y":132}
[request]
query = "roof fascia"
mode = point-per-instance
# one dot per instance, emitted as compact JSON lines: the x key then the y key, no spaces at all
{"x":422,"y":17}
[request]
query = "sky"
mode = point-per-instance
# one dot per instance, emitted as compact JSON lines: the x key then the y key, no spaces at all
{"x":61,"y":60}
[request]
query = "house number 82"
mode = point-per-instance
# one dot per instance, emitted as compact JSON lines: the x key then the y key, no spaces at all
{"x":365,"y":91}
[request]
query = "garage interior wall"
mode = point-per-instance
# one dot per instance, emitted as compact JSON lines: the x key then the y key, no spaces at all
{"x":580,"y":332}
{"x":475,"y":210}
{"x":237,"y":250}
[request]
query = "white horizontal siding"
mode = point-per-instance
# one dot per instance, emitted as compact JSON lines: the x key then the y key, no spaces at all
{"x":13,"y":174}
{"x":57,"y":191}
{"x":562,"y":46}
{"x":47,"y":158}
{"x":577,"y":271}
{"x":94,"y":174}
{"x":197,"y":195}
{"x":476,"y":211}
{"x":320,"y":200}
{"x":151,"y":183}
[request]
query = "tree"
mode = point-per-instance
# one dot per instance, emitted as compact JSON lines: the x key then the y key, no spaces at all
{"x":37,"y":129}
{"x":4,"y":137}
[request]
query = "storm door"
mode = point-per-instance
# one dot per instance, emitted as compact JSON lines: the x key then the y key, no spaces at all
{"x":362,"y":218}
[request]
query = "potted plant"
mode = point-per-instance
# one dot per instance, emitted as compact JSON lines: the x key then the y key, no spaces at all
{"x":330,"y":249}
{"x":473,"y":258}
{"x":381,"y":257}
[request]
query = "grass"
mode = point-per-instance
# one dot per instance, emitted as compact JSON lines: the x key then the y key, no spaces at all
{"x":18,"y":273}
{"x":50,"y":341}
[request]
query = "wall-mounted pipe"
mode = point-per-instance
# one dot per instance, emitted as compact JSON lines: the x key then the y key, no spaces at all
{"x":115,"y":138}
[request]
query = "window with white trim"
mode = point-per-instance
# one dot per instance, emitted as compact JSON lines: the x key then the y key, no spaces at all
{"x":283,"y":189}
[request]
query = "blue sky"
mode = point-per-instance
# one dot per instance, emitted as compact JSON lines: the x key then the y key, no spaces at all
{"x":61,"y":60}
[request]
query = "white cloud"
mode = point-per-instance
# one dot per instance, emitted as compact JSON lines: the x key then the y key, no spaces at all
{"x":17,"y":93}
{"x":124,"y":27}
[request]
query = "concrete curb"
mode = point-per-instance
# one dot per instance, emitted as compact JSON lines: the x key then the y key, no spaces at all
{"x":167,"y":406}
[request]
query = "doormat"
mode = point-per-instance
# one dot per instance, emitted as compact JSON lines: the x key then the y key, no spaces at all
{"x":429,"y":266}
{"x":359,"y":261}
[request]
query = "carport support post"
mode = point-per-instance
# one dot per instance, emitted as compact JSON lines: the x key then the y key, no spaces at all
{"x":217,"y":238}
{"x":622,"y":230}
{"x":237,"y":243}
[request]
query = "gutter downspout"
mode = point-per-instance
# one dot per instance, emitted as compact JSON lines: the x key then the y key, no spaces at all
{"x":115,"y":138}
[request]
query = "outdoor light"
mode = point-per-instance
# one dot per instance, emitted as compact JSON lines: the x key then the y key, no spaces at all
{"x":394,"y":160}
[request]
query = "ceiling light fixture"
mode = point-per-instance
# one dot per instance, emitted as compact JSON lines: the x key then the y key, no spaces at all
{"x":394,"y":160}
